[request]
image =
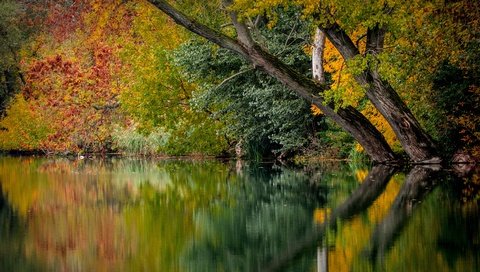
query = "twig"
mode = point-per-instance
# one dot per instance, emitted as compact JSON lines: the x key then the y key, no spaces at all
{"x":233,"y":76}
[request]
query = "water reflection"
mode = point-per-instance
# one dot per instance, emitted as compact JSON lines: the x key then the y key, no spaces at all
{"x":418,"y":184}
{"x":138,"y":215}
{"x":364,"y":196}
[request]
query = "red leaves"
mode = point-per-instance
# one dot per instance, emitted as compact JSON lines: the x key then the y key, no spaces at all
{"x":76,"y":86}
{"x":64,"y":18}
{"x":67,"y":90}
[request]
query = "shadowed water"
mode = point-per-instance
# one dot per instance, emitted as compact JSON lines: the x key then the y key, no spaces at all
{"x":141,"y":215}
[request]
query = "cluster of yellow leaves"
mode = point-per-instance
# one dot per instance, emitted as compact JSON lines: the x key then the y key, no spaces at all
{"x":344,"y":89}
{"x":248,"y":9}
{"x":152,"y":79}
{"x":22,"y":128}
{"x":382,"y":125}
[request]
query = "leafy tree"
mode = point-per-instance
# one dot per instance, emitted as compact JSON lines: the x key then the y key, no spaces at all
{"x":162,"y":92}
{"x":256,"y":109}
{"x":379,"y":23}
{"x":23,"y":128}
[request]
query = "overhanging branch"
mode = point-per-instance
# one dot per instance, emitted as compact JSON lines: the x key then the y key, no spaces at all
{"x":198,"y":28}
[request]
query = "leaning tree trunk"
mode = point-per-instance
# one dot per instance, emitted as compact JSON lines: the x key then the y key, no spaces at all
{"x":348,"y":118}
{"x":416,"y":143}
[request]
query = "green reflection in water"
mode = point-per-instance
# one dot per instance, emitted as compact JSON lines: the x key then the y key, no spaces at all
{"x":140,"y":215}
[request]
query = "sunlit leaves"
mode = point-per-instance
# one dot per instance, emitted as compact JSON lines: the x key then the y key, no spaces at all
{"x":23,"y":128}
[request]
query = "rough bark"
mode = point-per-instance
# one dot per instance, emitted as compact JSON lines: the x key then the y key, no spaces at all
{"x":416,"y":143}
{"x":348,"y":118}
{"x":375,"y":40}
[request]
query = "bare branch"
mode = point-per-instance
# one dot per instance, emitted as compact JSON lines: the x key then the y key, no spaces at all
{"x":233,"y":76}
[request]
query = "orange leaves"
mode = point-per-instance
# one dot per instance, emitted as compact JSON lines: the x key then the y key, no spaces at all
{"x":71,"y":94}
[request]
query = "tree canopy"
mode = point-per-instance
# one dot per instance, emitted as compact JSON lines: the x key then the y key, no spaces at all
{"x":273,"y":78}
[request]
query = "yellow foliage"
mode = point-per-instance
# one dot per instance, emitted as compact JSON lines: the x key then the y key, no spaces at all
{"x":361,"y":175}
{"x":22,"y":128}
{"x":382,"y":125}
{"x":344,"y":89}
{"x":320,"y":215}
{"x":316,"y":110}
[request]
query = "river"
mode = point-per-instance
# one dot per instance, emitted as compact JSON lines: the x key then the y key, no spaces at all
{"x":126,"y":214}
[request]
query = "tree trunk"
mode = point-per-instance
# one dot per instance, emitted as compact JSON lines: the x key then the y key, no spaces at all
{"x":348,"y":118}
{"x":317,"y":56}
{"x":416,"y":143}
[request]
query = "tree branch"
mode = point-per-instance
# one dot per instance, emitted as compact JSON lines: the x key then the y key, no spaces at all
{"x":317,"y":56}
{"x":233,"y":76}
{"x":198,"y":28}
{"x":341,"y":41}
{"x":348,"y":118}
{"x":375,"y":40}
{"x":243,"y":32}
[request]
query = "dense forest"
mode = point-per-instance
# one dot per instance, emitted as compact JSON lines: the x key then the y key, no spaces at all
{"x":388,"y":80}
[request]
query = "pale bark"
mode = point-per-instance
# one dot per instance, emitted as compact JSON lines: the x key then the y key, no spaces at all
{"x":317,"y":56}
{"x":348,"y":118}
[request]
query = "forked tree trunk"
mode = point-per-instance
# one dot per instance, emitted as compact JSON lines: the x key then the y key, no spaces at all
{"x":416,"y":143}
{"x":348,"y":118}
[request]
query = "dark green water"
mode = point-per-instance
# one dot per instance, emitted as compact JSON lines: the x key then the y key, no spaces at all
{"x":137,"y":215}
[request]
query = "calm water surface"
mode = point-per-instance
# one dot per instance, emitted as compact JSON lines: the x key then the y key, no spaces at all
{"x":137,"y":215}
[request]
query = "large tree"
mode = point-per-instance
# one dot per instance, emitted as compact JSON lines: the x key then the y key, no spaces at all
{"x":417,"y":144}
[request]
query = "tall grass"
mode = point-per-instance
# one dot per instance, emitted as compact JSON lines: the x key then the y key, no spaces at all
{"x":130,"y":141}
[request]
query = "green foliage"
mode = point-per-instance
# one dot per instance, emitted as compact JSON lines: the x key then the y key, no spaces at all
{"x":130,"y":141}
{"x":157,"y":96}
{"x":257,"y":110}
{"x":12,"y":36}
{"x":191,"y":137}
{"x":199,"y":135}
{"x":457,"y":97}
{"x":339,"y":141}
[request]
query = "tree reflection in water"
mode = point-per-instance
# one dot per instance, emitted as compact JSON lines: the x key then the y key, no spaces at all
{"x":134,"y":215}
{"x":418,"y":184}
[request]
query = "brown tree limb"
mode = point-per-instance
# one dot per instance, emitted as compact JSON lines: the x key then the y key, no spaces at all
{"x":414,"y":140}
{"x":348,"y":118}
